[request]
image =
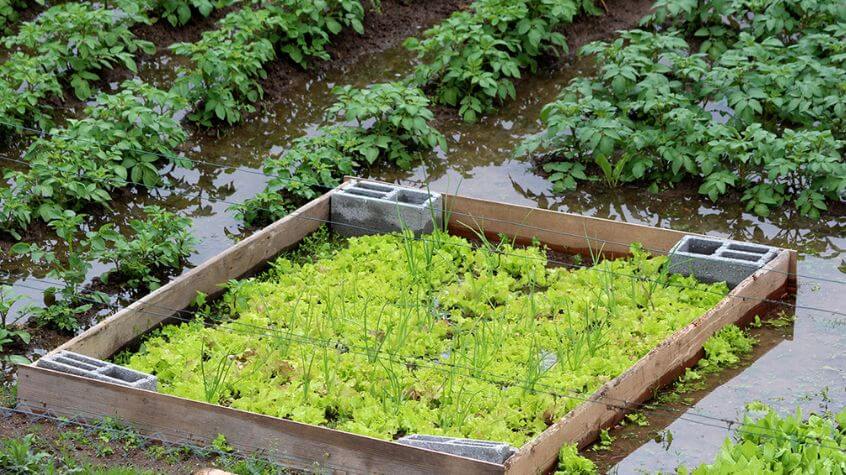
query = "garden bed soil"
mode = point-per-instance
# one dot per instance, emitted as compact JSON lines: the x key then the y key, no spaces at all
{"x":50,"y":438}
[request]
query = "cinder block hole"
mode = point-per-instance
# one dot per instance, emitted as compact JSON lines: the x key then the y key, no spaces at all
{"x":412,"y":197}
{"x":123,"y":375}
{"x":743,"y":257}
{"x":367,"y":193}
{"x":74,"y":362}
{"x":747,"y":248}
{"x":701,"y":246}
{"x":375,"y":187}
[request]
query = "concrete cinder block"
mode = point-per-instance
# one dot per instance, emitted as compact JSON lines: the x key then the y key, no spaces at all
{"x":484,"y":450}
{"x":716,"y":260}
{"x":363,"y":207}
{"x":81,"y":365}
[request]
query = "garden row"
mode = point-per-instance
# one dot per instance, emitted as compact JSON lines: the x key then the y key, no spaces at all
{"x":760,"y":108}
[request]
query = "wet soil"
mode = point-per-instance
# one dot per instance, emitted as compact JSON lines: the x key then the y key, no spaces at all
{"x":82,"y":445}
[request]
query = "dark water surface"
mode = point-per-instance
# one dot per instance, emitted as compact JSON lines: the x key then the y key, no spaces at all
{"x":807,"y":368}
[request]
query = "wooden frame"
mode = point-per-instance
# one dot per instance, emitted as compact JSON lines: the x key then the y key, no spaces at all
{"x":308,"y":447}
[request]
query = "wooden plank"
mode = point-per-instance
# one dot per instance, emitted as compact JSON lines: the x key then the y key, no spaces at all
{"x":558,"y":229}
{"x":293,"y":444}
{"x":108,"y":336}
{"x":583,"y":423}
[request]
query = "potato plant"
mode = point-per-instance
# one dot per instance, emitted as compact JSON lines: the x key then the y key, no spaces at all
{"x":26,"y":83}
{"x":123,"y":140}
{"x":471,"y":60}
{"x":649,"y":116}
{"x":9,"y":13}
{"x":65,"y":302}
{"x":180,"y":12}
{"x":388,"y":335}
{"x":81,"y":40}
{"x":158,"y":244}
{"x":228,"y":63}
{"x":387,"y":122}
{"x":395,"y":117}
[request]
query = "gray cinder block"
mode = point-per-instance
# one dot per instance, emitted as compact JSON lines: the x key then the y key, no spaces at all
{"x":364,"y":207}
{"x":484,"y":450}
{"x":81,"y":365}
{"x":716,"y":260}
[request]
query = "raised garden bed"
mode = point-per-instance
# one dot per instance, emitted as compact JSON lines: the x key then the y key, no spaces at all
{"x":356,"y":344}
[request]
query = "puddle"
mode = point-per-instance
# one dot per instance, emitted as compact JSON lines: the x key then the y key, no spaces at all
{"x":479,"y":163}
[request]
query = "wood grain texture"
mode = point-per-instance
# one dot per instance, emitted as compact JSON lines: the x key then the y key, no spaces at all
{"x":108,"y":336}
{"x":636,"y":385}
{"x":293,"y":444}
{"x":560,"y":230}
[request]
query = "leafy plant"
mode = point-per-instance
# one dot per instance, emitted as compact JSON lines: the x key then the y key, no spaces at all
{"x":64,"y":304}
{"x":157,"y":244}
{"x":25,"y":83}
{"x":124,"y":138}
{"x":768,"y":442}
{"x":642,"y":120}
{"x":9,"y":13}
{"x":327,"y":341}
{"x":228,"y":63}
{"x":396,"y":119}
{"x":8,"y":333}
{"x":262,"y":209}
{"x":227,"y":67}
{"x":81,"y":39}
{"x":180,"y":12}
{"x":21,"y":457}
{"x":471,"y":59}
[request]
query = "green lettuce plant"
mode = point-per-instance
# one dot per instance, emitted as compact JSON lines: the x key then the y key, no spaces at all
{"x":768,"y":442}
{"x":387,"y":335}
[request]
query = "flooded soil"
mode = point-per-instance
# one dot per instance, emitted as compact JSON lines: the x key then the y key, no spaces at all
{"x":807,"y":368}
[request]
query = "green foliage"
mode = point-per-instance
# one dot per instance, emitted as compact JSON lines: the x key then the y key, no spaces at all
{"x":157,"y":244}
{"x":387,"y":121}
{"x":228,"y":63}
{"x":9,"y":14}
{"x":571,"y":463}
{"x":471,"y":59}
{"x":722,"y":350}
{"x":396,"y":118}
{"x":124,"y":138}
{"x":392,"y":335}
{"x":63,"y":305}
{"x":227,"y":67}
{"x":80,"y":39}
{"x":262,"y":209}
{"x":642,"y":120}
{"x":180,"y":12}
{"x":719,"y":23}
{"x":21,"y":457}
{"x":768,"y":443}
{"x":8,"y":333}
{"x":25,"y":83}
{"x":314,"y":163}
